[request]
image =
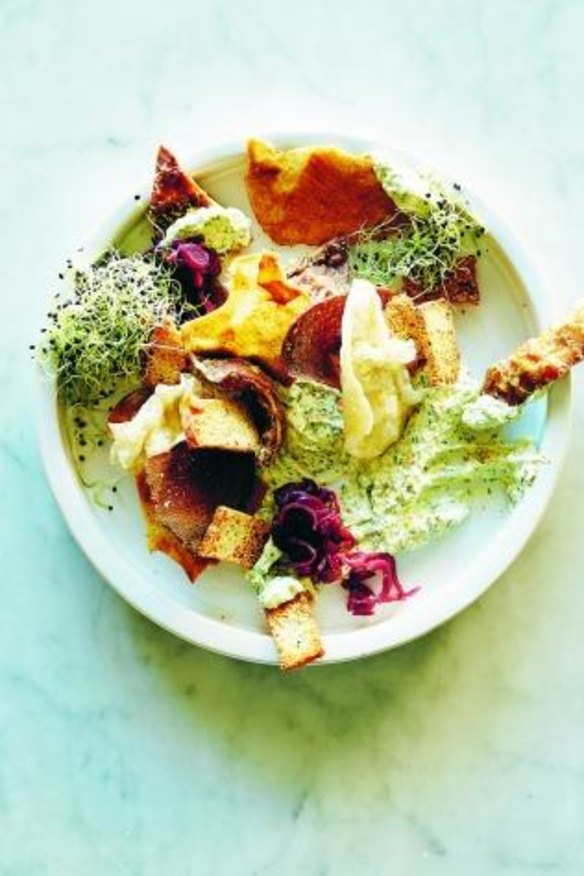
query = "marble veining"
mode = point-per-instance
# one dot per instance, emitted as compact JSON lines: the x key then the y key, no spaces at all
{"x":124,"y":750}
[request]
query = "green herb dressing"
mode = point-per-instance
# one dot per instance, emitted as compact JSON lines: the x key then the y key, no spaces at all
{"x":423,"y":485}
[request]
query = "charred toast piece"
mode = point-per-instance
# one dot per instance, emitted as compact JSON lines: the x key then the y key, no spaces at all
{"x":173,"y":192}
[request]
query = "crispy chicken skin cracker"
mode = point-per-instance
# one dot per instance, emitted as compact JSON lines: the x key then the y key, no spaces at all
{"x":538,"y":362}
{"x":129,"y":405}
{"x":253,"y":321}
{"x":160,"y":538}
{"x":311,"y":347}
{"x":295,"y":632}
{"x":310,"y":195}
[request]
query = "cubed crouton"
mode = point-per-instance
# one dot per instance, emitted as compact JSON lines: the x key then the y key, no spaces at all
{"x":166,"y":357}
{"x":406,"y":321}
{"x":234,"y":537}
{"x":295,"y":632}
{"x":442,"y":353}
{"x":220,"y":424}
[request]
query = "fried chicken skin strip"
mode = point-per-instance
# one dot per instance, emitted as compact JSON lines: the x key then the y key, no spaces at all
{"x":538,"y":362}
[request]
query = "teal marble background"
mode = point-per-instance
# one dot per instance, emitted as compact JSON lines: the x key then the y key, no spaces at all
{"x":125,"y":751}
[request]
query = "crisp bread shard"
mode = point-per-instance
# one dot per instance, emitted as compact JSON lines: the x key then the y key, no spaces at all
{"x":186,"y":487}
{"x":538,"y":362}
{"x":234,"y":537}
{"x":173,"y":192}
{"x":295,"y":632}
{"x":439,"y":344}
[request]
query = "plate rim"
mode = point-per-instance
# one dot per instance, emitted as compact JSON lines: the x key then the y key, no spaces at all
{"x":244,"y":644}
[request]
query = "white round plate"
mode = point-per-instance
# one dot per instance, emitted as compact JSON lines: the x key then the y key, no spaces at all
{"x":220,"y":612}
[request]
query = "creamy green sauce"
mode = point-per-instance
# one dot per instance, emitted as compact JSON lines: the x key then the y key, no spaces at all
{"x":417,"y":192}
{"x":315,"y":442}
{"x":405,"y":184}
{"x":424,"y":485}
{"x":223,"y":228}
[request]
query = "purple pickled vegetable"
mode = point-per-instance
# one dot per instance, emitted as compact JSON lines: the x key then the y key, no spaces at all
{"x":308,"y":530}
{"x":364,"y":592}
{"x":196,"y":268}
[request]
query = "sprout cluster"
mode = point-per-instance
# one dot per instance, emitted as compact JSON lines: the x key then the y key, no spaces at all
{"x":424,"y":251}
{"x":97,"y":337}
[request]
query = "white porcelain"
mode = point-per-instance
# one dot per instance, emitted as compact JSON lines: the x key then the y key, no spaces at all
{"x":219,"y":612}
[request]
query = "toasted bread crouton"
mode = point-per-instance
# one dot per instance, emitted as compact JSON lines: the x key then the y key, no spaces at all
{"x":407,"y":322}
{"x":166,"y":357}
{"x":442,"y":353}
{"x":538,"y":362}
{"x":295,"y":632}
{"x":234,"y":537}
{"x":220,"y":424}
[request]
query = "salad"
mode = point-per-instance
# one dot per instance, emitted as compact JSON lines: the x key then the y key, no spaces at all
{"x":304,"y":411}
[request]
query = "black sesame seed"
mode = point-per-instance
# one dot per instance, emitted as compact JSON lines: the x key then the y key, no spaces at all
{"x":114,"y":489}
{"x":81,"y":458}
{"x":137,"y":197}
{"x":110,"y":507}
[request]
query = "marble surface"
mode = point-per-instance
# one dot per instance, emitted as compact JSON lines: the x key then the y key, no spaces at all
{"x":123,"y":750}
